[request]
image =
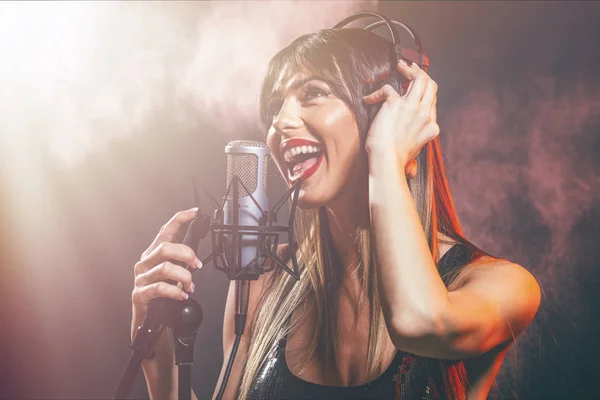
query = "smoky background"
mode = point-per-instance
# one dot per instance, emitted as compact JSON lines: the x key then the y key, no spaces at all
{"x":109,"y":111}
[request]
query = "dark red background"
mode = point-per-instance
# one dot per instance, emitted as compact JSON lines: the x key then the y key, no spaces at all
{"x":519,"y":110}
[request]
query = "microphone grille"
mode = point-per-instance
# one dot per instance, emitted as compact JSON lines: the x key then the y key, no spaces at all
{"x":246,"y":143}
{"x":246,"y":166}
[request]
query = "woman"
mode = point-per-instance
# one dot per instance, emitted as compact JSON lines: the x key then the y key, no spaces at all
{"x":393,"y":300}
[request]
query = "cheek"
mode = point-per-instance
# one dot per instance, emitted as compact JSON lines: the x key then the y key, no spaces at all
{"x":272,"y":137}
{"x":337,"y":118}
{"x":273,"y":141}
{"x":343,"y":132}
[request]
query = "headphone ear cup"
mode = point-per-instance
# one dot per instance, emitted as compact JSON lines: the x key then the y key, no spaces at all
{"x":394,"y":81}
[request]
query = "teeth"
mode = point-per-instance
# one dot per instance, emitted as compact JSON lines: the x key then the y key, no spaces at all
{"x":289,"y":154}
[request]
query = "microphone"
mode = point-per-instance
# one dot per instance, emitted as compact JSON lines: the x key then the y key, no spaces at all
{"x":244,"y":229}
{"x":247,"y":203}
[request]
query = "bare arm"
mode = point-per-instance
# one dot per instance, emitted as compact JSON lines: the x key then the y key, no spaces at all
{"x":496,"y":302}
{"x":411,"y":289}
{"x":160,"y":372}
{"x":151,"y":273}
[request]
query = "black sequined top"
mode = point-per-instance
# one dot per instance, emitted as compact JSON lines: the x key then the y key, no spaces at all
{"x":408,"y":377}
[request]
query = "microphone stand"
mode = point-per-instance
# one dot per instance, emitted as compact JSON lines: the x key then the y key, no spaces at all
{"x":185,"y":316}
{"x":182,"y":316}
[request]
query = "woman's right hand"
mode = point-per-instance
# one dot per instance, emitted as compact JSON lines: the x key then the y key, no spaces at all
{"x":154,"y":268}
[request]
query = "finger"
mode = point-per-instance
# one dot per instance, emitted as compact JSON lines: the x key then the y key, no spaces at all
{"x":408,"y":71}
{"x":166,"y":271}
{"x":384,"y":93}
{"x":430,"y":95}
{"x":429,"y":132}
{"x":419,"y":85}
{"x":143,"y":295}
{"x":411,"y":169}
{"x":167,"y":251}
{"x":168,"y":231}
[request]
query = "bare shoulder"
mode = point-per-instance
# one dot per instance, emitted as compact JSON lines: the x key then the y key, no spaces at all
{"x":488,"y":270}
{"x":513,"y":288}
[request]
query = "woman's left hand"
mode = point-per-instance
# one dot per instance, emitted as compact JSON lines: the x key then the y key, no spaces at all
{"x":404,"y":123}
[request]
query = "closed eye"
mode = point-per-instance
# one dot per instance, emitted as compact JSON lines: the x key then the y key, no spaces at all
{"x":310,"y":91}
{"x":313,"y":92}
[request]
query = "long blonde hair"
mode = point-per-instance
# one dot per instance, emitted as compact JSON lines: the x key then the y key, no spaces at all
{"x":353,"y":61}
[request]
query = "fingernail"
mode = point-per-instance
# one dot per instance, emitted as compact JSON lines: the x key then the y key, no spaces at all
{"x":415,"y":65}
{"x":185,"y":296}
{"x":402,"y":62}
{"x":197,"y":263}
{"x":192,"y":209}
{"x":192,"y":287}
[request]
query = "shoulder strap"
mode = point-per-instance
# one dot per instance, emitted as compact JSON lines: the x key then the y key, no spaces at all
{"x":452,"y":262}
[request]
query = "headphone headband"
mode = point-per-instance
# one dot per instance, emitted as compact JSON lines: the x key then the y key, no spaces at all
{"x":394,"y":79}
{"x":365,"y":14}
{"x":407,"y":54}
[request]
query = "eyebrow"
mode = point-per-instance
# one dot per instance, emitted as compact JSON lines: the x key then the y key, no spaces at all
{"x":302,"y":81}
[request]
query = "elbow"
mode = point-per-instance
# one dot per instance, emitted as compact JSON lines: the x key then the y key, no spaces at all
{"x":415,"y":326}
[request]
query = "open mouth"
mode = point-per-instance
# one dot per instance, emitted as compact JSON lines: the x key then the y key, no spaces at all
{"x":304,"y":167}
{"x":302,"y":158}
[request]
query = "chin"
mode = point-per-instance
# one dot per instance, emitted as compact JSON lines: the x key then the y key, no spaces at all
{"x":308,"y":202}
{"x":313,"y":195}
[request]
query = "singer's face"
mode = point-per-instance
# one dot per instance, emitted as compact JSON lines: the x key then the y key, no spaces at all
{"x":308,"y":109}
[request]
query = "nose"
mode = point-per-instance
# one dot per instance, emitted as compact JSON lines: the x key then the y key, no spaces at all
{"x":288,"y":118}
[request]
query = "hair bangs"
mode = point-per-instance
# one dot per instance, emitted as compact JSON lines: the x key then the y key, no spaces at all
{"x":321,"y":54}
{"x":351,"y":61}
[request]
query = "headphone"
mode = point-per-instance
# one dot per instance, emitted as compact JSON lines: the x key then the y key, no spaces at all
{"x":395,"y":79}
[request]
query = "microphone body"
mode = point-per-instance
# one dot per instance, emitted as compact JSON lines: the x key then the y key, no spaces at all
{"x":248,"y":161}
